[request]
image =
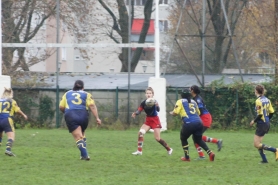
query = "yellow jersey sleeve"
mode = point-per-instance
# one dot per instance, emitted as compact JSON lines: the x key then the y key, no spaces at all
{"x":178,"y":107}
{"x":63,"y":101}
{"x":15,"y":108}
{"x":89,"y":100}
{"x":270,"y":108}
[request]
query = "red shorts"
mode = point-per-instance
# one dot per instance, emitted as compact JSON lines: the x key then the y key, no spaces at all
{"x":153,"y":122}
{"x":207,"y":120}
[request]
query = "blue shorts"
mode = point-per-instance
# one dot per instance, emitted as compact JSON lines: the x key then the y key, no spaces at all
{"x":76,"y":118}
{"x":262,"y":129}
{"x":6,"y":125}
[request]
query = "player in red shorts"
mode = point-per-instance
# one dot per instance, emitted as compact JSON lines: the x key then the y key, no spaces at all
{"x":152,"y":122}
{"x":206,"y":119}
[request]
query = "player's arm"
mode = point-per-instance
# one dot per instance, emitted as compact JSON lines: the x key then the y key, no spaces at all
{"x":91,"y":104}
{"x":270,"y":110}
{"x":93,"y":109}
{"x":177,"y":109}
{"x":17,"y":109}
{"x":139,"y":110}
{"x":157,"y":106}
{"x":259,"y":110}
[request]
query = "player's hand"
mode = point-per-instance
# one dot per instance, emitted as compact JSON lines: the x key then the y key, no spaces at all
{"x":133,"y":115}
{"x":98,"y":121}
{"x":171,"y":113}
{"x":251,"y":123}
{"x":25,"y":117}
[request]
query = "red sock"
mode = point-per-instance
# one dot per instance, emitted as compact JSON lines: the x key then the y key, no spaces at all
{"x":199,"y":150}
{"x":140,"y":143}
{"x":209,"y":139}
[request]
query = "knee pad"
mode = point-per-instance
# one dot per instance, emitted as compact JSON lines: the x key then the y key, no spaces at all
{"x":142,"y":131}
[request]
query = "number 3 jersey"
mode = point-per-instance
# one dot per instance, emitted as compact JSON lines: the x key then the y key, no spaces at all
{"x":7,"y":108}
{"x":76,"y":100}
{"x":189,"y":112}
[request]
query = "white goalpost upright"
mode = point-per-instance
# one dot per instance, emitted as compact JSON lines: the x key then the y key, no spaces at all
{"x":159,"y":84}
{"x":5,"y":81}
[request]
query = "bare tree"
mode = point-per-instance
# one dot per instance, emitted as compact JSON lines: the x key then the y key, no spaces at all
{"x":120,"y":26}
{"x":23,"y":19}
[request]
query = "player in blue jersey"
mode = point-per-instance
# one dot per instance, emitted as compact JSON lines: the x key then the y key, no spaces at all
{"x":75,"y":104}
{"x":192,"y":124}
{"x":152,"y":122}
{"x":8,"y":107}
{"x":264,"y":112}
{"x":206,"y":119}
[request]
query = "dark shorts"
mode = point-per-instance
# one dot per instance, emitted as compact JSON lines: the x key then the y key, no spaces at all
{"x":76,"y":118}
{"x":6,"y":125}
{"x":195,"y":129}
{"x":153,"y":122}
{"x":262,"y":129}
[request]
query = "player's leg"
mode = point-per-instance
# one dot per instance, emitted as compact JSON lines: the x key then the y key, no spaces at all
{"x":161,"y":141}
{"x":197,"y":136}
{"x":8,"y":127}
{"x":80,"y":143}
{"x":184,"y":135}
{"x":144,"y":128}
{"x":198,"y":148}
{"x":207,"y":121}
{"x":258,"y":145}
{"x":1,"y":137}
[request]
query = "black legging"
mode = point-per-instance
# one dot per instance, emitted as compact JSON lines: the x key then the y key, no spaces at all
{"x":194,"y":129}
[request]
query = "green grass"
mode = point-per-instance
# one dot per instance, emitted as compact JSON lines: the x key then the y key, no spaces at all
{"x":51,"y":157}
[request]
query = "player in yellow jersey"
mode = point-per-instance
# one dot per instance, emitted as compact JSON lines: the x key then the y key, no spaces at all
{"x":8,"y":107}
{"x":75,"y":104}
{"x":189,"y":112}
{"x":264,"y":112}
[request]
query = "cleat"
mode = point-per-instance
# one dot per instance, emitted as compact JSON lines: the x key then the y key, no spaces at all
{"x":276,"y":154}
{"x":9,"y":153}
{"x":137,"y":153}
{"x":263,"y":162}
{"x":211,"y":156}
{"x":170,"y":151}
{"x":85,"y":158}
{"x":184,"y":159}
{"x":219,"y":144}
{"x":200,"y":158}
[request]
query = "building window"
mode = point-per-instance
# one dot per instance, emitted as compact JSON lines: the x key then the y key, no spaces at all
{"x":163,"y":2}
{"x":163,"y":25}
{"x":64,"y":54}
{"x":137,"y":2}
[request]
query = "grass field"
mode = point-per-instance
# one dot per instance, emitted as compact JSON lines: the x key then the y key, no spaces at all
{"x":51,"y":157}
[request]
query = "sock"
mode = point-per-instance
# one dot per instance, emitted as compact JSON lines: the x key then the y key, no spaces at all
{"x":85,"y":140}
{"x":0,"y":141}
{"x":209,"y":139}
{"x":209,"y":151}
{"x":261,"y":151}
{"x":9,"y":144}
{"x":163,"y":143}
{"x":268,"y":148}
{"x":81,"y":146}
{"x":186,"y":151}
{"x":140,"y":143}
{"x":199,"y":150}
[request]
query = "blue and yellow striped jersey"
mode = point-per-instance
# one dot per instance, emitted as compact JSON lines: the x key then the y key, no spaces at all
{"x":189,"y":112}
{"x":73,"y":100}
{"x":263,"y":107}
{"x":7,"y":108}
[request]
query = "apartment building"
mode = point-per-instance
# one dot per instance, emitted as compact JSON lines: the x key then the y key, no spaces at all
{"x":104,"y":59}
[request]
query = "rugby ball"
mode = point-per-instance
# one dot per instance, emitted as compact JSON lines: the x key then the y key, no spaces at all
{"x":150,"y":102}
